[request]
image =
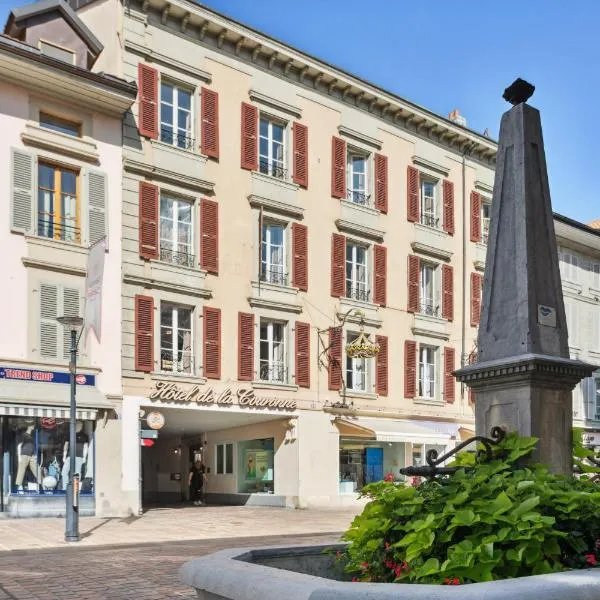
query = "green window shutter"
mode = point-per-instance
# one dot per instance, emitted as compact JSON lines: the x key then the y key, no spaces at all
{"x":71,"y":304}
{"x":23,"y":167}
{"x":97,"y":205}
{"x":48,"y":324}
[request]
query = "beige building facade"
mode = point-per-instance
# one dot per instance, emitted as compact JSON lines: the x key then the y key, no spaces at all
{"x":274,"y":208}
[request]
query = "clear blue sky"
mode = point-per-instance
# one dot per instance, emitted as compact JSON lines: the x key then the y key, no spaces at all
{"x":463,"y":54}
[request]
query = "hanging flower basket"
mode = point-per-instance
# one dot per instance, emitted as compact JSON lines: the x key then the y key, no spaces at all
{"x":362,"y":347}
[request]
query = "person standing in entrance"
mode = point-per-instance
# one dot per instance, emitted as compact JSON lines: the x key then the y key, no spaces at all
{"x":196,"y":483}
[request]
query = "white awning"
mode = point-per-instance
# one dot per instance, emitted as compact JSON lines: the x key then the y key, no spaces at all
{"x":40,"y":399}
{"x":395,"y":430}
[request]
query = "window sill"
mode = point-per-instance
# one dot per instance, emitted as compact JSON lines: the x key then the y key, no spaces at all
{"x":285,"y":183}
{"x":179,"y":151}
{"x":271,"y":385}
{"x":177,"y":268}
{"x":359,"y":395}
{"x":175,"y":377}
{"x":274,"y":287}
{"x":429,"y":401}
{"x":52,"y":243}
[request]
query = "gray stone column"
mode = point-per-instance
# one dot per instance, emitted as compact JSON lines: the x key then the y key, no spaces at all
{"x":523,"y":378}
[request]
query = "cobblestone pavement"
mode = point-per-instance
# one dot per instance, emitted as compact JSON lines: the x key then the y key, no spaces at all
{"x":125,"y":572}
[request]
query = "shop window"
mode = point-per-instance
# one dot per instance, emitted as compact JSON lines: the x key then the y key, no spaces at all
{"x":176,"y":241}
{"x":176,"y":339}
{"x":224,"y":456}
{"x":256,"y":460}
{"x":37,"y":451}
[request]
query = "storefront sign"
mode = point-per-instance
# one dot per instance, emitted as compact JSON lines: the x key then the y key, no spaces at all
{"x":155,"y":420}
{"x":244,"y":397}
{"x":45,"y":376}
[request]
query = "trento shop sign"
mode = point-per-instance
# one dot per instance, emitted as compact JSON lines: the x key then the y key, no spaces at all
{"x":44,"y":376}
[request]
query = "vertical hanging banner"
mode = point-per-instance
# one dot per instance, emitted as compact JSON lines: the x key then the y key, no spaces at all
{"x":93,"y":289}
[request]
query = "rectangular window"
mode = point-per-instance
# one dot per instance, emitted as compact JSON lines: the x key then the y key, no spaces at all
{"x":356,"y":272}
{"x":60,"y":125}
{"x":256,"y":466}
{"x":273,"y":366}
{"x":357,"y":178}
{"x":428,"y":295}
{"x":486,"y":213}
{"x":596,"y":411}
{"x":595,"y":269}
{"x":568,"y":266}
{"x":65,"y":54}
{"x":429,"y":209}
{"x":272,"y":149}
{"x":273,"y":257}
{"x":224,"y":456}
{"x":176,"y":353}
{"x":427,"y":372}
{"x":357,"y":374}
{"x":176,"y":116}
{"x":58,"y":204}
{"x":176,"y":240}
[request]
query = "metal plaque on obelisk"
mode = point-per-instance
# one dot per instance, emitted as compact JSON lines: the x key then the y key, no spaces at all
{"x":523,"y":378}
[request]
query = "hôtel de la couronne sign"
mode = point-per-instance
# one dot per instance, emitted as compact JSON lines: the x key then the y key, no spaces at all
{"x":244,"y":397}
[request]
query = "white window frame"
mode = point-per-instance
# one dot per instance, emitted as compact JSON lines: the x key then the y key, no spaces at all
{"x":268,"y":164}
{"x":359,"y":195}
{"x":174,"y":337}
{"x":173,"y":246}
{"x":428,"y":372}
{"x":272,"y":272}
{"x":429,"y":218}
{"x":223,"y":470}
{"x":568,"y":265}
{"x":355,"y":287}
{"x":485,"y":221}
{"x":188,"y":138}
{"x":429,"y":305}
{"x":359,"y":367}
{"x":276,"y":370}
{"x":595,"y":271}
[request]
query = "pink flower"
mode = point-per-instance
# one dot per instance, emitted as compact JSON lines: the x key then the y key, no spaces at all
{"x":364,"y":565}
{"x":389,"y":477}
{"x":451,"y":581}
{"x":405,"y":566}
{"x":590,"y":559}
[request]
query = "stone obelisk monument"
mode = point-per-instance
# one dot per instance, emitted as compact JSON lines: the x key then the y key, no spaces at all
{"x":523,"y":378}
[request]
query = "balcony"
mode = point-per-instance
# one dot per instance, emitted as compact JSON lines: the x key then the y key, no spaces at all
{"x":181,"y":259}
{"x":273,"y":373}
{"x":177,"y":139}
{"x":429,"y":308}
{"x":181,"y":363}
{"x":359,"y":197}
{"x":357,"y":292}
{"x":430,"y":220}
{"x":53,"y":228}
{"x":273,"y":169}
{"x":275,"y":276}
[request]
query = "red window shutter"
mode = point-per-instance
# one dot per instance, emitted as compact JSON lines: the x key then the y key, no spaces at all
{"x":475,"y":217}
{"x":475,"y":299}
{"x":148,"y":220}
{"x":412,"y":186}
{"x":338,"y":167}
{"x":303,"y":354}
{"x":414,"y":268}
{"x":449,"y":382}
{"x":380,"y":263}
{"x":338,"y":265}
{"x":249,"y":137}
{"x":381,"y":374}
{"x":301,"y":154}
{"x":245,"y":346}
{"x":148,"y":96}
{"x":335,"y":358}
{"x":410,"y":369}
{"x":448,"y":206}
{"x":209,"y":235}
{"x":212,"y":342}
{"x":209,"y":129}
{"x":144,"y":333}
{"x":300,"y":256}
{"x":381,"y":183}
{"x":448,"y":292}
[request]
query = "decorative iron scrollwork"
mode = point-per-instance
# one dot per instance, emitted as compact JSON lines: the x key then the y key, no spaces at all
{"x":431,"y":469}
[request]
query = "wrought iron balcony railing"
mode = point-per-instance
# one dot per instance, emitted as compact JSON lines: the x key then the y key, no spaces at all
{"x":430,"y":221}
{"x":178,"y":362}
{"x":359,"y":197}
{"x":176,"y":138}
{"x":273,"y":373}
{"x":54,"y":228}
{"x":272,"y":168}
{"x":485,"y":231}
{"x":183,"y":259}
{"x":275,"y":276}
{"x":427,"y":307}
{"x":357,"y":292}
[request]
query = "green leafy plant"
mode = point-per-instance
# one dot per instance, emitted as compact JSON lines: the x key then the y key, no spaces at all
{"x":495,"y":520}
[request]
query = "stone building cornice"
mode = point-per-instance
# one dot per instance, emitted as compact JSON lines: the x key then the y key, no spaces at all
{"x":212,"y":29}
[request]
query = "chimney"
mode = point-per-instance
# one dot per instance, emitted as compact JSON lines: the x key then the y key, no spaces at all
{"x":457,"y":118}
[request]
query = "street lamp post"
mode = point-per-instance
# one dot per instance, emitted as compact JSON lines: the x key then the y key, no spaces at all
{"x":72,"y":514}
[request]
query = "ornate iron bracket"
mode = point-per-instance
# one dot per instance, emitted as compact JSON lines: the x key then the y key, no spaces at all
{"x":431,"y":469}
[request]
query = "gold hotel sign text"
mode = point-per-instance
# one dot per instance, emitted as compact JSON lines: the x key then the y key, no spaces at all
{"x":171,"y":392}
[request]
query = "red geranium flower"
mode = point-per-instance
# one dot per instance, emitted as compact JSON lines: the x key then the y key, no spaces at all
{"x":364,"y":565}
{"x":451,"y":581}
{"x":590,"y":559}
